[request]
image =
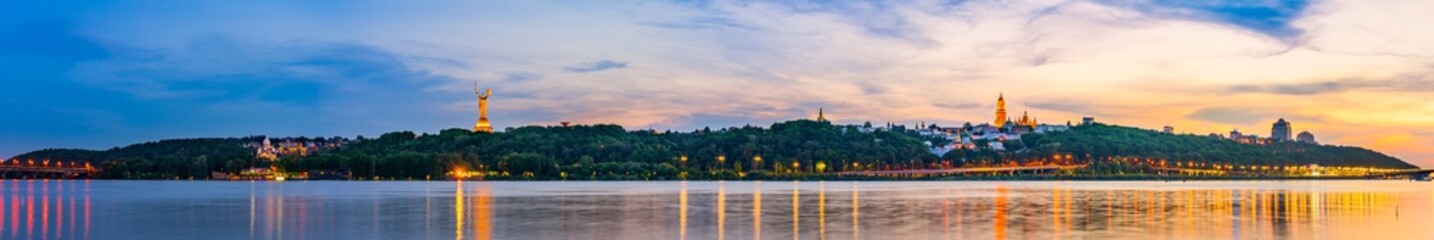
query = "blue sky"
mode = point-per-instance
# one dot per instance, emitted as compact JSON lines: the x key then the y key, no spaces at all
{"x":104,"y":74}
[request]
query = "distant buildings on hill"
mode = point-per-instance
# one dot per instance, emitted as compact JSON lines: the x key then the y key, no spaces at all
{"x":272,"y":149}
{"x":1279,"y":132}
{"x":989,"y":136}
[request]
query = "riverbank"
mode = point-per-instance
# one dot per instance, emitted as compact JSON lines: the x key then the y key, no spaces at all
{"x":875,"y":179}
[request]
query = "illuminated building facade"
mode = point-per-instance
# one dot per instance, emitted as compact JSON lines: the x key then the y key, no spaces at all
{"x":269,"y":149}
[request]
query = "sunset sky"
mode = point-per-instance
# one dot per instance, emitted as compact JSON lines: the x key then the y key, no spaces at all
{"x":106,"y":74}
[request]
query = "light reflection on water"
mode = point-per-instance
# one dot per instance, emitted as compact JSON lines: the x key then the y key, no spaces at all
{"x":69,"y":209}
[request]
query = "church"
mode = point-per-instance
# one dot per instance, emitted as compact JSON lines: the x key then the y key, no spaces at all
{"x":1003,"y":121}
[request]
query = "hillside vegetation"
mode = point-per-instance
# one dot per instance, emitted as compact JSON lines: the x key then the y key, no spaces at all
{"x":793,"y":148}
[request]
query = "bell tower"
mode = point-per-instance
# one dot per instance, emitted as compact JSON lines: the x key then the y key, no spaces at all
{"x":1000,"y":111}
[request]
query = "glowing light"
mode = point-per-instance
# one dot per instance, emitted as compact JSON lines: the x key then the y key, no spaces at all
{"x":721,"y":210}
{"x":458,"y":210}
{"x":461,"y":173}
{"x":682,"y":212}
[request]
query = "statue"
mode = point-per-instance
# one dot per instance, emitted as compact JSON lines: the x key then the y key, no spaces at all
{"x":482,"y":125}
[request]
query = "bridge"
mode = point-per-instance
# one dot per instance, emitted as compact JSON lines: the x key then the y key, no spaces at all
{"x":955,"y":171}
{"x":46,"y":170}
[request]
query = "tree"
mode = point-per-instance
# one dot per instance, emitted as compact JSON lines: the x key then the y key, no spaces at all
{"x":531,"y":164}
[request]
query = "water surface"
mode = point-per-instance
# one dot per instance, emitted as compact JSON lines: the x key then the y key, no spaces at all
{"x":70,"y":209}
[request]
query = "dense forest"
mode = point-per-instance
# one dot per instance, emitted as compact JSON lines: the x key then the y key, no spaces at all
{"x":800,"y":148}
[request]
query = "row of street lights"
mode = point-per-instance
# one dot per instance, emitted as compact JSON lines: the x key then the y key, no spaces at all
{"x":43,"y":163}
{"x":757,"y":159}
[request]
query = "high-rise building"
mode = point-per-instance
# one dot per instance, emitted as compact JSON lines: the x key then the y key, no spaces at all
{"x":1306,"y":137}
{"x":1281,"y":131}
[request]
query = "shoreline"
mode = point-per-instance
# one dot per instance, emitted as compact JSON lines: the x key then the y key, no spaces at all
{"x":1092,"y":178}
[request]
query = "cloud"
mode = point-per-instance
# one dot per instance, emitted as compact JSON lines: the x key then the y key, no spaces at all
{"x":1064,"y":106}
{"x":520,"y":77}
{"x":596,"y":66}
{"x":222,"y":69}
{"x":1404,"y":83}
{"x":49,"y":39}
{"x":1229,"y":116}
{"x":959,"y":105}
{"x":225,"y":87}
{"x":1268,"y":17}
{"x":700,"y":23}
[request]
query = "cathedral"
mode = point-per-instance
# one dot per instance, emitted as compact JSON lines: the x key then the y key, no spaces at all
{"x":1001,"y":120}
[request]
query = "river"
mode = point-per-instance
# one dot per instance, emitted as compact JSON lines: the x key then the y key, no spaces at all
{"x":99,"y":209}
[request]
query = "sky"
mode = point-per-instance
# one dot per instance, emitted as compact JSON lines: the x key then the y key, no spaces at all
{"x":100,"y":74}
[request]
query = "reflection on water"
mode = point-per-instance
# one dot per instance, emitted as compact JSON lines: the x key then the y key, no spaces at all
{"x":44,"y":209}
{"x":67,"y":209}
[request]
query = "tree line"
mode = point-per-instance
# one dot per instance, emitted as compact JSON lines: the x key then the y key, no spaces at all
{"x":609,"y":152}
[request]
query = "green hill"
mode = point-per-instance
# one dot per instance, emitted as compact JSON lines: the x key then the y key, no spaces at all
{"x":793,"y":148}
{"x":1098,"y":141}
{"x":611,"y":152}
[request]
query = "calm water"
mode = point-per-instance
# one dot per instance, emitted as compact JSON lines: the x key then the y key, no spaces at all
{"x":39,"y":209}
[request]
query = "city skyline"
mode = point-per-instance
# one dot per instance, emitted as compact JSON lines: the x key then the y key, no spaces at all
{"x":104,"y":75}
